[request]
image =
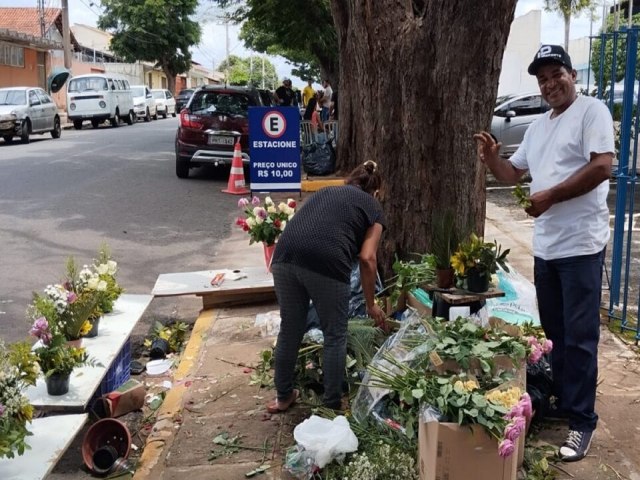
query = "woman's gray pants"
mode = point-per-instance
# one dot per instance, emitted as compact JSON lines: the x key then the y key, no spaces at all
{"x":295,"y":286}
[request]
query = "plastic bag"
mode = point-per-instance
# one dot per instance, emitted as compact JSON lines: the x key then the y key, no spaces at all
{"x":299,"y":463}
{"x":519,"y":304}
{"x":326,"y":439}
{"x":318,"y":159}
{"x":269,"y":323}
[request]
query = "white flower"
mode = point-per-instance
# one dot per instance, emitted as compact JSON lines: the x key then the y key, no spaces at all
{"x":283,"y":224}
{"x":259,"y":220}
{"x":251,"y":222}
{"x":112,"y":267}
{"x":102,"y":268}
{"x":102,"y":286}
{"x":290,"y":217}
{"x":272,"y":209}
{"x":85,"y":274}
{"x":283,"y":207}
{"x":92,"y":284}
{"x":268,"y":201}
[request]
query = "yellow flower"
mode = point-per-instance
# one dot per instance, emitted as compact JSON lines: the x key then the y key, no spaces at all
{"x":85,"y":328}
{"x":470,"y":385}
{"x":457,"y":262}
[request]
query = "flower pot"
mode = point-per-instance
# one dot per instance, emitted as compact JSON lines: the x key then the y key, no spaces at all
{"x":104,"y":458}
{"x":95,"y":323}
{"x":159,"y":349}
{"x":106,"y":432}
{"x":57,"y":383}
{"x":268,"y":254}
{"x":445,"y":277}
{"x":76,"y":343}
{"x":477,"y":282}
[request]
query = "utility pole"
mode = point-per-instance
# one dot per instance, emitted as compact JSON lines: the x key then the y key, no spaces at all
{"x":66,"y":34}
{"x":226,"y":26}
{"x":604,"y":16}
{"x":630,"y":19}
{"x":41,"y":17}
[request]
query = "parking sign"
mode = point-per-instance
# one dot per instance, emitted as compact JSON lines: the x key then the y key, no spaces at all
{"x":274,"y":143}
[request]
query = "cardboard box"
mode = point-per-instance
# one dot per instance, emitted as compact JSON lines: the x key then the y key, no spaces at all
{"x":128,"y":397}
{"x":448,"y":451}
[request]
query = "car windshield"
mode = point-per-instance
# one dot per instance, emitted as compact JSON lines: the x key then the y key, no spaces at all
{"x":158,"y":95}
{"x":97,"y":84}
{"x":504,"y":98}
{"x":137,"y":91}
{"x":13,"y":97}
{"x":221,"y":103}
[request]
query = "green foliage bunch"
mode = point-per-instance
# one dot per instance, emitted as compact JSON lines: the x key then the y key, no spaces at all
{"x":445,"y":237}
{"x":475,"y":253}
{"x":174,"y":333}
{"x":18,"y":369}
{"x":106,"y":269}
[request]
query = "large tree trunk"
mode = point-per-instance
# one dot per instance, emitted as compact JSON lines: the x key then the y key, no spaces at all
{"x":417,"y":80}
{"x":171,"y":78}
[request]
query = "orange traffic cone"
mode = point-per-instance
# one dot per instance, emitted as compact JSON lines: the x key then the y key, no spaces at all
{"x":236,"y":177}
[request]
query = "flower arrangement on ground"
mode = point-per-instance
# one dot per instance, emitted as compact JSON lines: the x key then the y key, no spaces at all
{"x":54,"y":355}
{"x":68,"y":306}
{"x":477,"y":259}
{"x":106,"y":269}
{"x":18,"y":369}
{"x":265,"y":221}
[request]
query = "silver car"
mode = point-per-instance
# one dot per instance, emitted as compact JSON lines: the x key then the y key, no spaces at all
{"x":27,"y":110}
{"x":512,"y":116}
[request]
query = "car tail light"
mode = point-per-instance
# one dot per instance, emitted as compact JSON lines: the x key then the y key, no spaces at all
{"x":190,"y":121}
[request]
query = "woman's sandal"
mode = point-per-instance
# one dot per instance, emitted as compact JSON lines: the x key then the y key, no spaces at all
{"x":279,"y":406}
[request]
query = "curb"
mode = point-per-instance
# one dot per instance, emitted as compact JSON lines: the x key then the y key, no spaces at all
{"x":315,"y":185}
{"x":163,"y":432}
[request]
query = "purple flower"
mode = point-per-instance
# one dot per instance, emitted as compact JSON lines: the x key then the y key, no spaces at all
{"x":547,"y":346}
{"x":71,"y":297}
{"x":516,"y":411}
{"x":261,"y":212}
{"x":40,"y":329}
{"x":525,"y":402}
{"x":515,"y":428}
{"x":2,"y":409}
{"x":255,"y":201}
{"x":536,"y":354}
{"x":506,"y":448}
{"x":243,"y":202}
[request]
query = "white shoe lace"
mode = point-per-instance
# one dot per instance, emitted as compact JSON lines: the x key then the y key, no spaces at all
{"x":574,"y":440}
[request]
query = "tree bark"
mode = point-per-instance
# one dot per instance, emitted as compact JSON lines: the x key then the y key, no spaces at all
{"x":417,"y":80}
{"x":171,"y":78}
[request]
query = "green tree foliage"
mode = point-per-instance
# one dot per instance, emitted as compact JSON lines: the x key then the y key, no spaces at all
{"x":158,"y":31}
{"x":302,"y":31}
{"x":244,"y":71}
{"x":620,"y":43}
{"x":568,"y":8}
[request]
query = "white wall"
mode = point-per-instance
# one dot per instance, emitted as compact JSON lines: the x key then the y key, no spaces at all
{"x":522,"y":45}
{"x":134,"y":72}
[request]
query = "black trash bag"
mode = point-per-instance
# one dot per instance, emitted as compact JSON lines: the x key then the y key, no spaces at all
{"x":540,"y":386}
{"x":318,"y":159}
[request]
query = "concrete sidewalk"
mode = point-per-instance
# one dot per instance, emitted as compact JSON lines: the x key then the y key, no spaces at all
{"x":212,"y":395}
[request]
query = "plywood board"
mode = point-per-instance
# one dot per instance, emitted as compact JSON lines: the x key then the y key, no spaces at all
{"x":237,"y":280}
{"x":51,"y":438}
{"x":115,"y":329}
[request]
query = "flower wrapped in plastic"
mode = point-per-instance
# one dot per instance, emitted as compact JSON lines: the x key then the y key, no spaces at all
{"x":18,"y":369}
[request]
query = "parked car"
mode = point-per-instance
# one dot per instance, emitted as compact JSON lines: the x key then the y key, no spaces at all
{"x":183,"y":98}
{"x":27,"y":110}
{"x":512,"y":116}
{"x":144,"y":104}
{"x":211,"y":123}
{"x":165,"y":103}
{"x":99,"y":97}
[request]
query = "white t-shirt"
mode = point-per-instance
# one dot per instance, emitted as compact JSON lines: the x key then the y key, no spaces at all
{"x":553,"y":150}
{"x":326,"y":98}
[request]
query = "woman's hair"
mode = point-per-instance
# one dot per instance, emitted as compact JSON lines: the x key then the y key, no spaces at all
{"x":311,"y":106}
{"x":366,"y":176}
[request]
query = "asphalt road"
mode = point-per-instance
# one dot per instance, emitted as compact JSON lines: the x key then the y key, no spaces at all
{"x":116,"y":185}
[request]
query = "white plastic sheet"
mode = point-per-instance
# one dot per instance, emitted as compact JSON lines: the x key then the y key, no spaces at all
{"x":326,"y":439}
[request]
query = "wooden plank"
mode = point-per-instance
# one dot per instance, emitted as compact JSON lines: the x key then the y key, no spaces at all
{"x":231,"y":299}
{"x":51,"y":438}
{"x":115,"y":329}
{"x":249,"y":279}
{"x":458,"y":297}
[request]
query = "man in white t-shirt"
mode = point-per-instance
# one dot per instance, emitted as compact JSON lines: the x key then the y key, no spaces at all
{"x":568,"y":152}
{"x":325,"y":101}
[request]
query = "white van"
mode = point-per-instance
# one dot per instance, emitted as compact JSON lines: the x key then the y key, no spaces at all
{"x":99,"y":97}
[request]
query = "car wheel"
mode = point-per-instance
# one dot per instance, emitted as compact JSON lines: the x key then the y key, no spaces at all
{"x":8,"y":138}
{"x":174,"y":112}
{"x":95,"y":123}
{"x":164,"y":114}
{"x":77,"y":124}
{"x":147,"y":115}
{"x":155,"y":115}
{"x":115,"y":121}
{"x":130,"y":117}
{"x":57,"y":130}
{"x":24,"y":131}
{"x":182,"y":169}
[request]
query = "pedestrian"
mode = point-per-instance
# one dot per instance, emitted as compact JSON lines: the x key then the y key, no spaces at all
{"x":325,"y":100}
{"x":284,"y":94}
{"x":336,"y":227}
{"x":308,"y":92}
{"x":568,"y":152}
{"x":311,"y":113}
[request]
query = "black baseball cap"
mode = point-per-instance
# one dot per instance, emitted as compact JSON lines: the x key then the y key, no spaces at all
{"x":549,"y":54}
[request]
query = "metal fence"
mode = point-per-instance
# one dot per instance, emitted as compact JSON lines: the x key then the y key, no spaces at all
{"x":614,"y":58}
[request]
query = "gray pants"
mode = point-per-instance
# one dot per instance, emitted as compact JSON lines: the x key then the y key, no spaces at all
{"x":295,"y":286}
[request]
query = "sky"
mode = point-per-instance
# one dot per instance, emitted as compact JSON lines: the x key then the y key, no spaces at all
{"x":212,"y":49}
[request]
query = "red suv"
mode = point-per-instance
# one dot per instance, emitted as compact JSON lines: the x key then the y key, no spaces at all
{"x":211,"y":123}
